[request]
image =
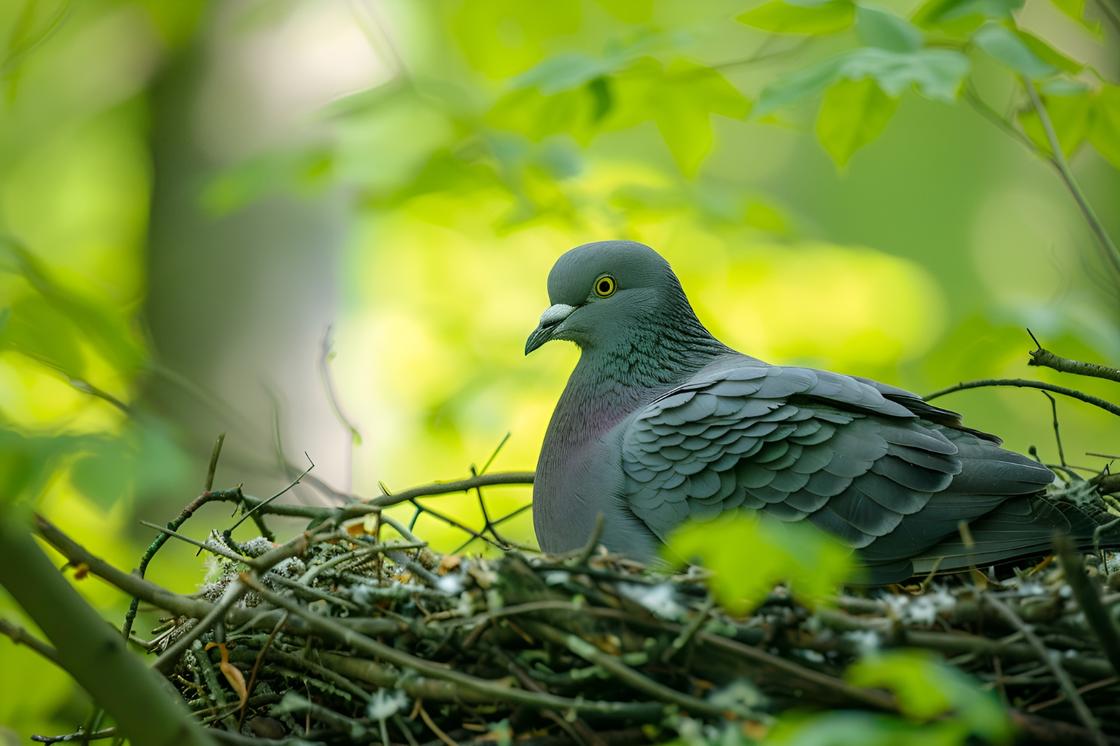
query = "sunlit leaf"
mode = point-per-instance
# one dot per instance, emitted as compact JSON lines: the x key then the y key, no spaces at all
{"x":963,"y":16}
{"x":852,"y":114}
{"x":1104,"y":132}
{"x":685,"y":102}
{"x":576,"y":93}
{"x":880,"y":28}
{"x":101,"y":472}
{"x":564,"y":72}
{"x":1071,"y":115}
{"x":499,"y":38}
{"x":847,"y":727}
{"x":633,"y":11}
{"x":800,"y":16}
{"x":1004,"y":45}
{"x":67,"y":318}
{"x":1075,"y":9}
{"x":22,"y":462}
{"x":43,"y":333}
{"x":140,"y":461}
{"x":935,"y":73}
{"x":29,"y":461}
{"x":812,"y":562}
{"x":571,"y":70}
{"x":927,"y":688}
{"x":25,"y":36}
{"x":1048,"y":54}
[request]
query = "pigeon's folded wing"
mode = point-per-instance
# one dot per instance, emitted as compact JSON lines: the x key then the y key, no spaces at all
{"x":803,"y":444}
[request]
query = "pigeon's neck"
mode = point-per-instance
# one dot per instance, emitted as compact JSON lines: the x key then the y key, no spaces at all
{"x":611,"y":381}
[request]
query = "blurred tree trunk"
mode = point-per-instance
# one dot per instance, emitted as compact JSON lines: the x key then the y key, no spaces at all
{"x":238,"y":303}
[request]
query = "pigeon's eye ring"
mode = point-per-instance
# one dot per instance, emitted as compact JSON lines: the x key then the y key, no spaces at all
{"x":605,"y":286}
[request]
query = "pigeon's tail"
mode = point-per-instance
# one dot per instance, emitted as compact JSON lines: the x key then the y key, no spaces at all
{"x":1022,"y":527}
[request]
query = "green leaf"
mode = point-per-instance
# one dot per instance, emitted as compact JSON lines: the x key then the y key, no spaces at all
{"x":29,"y":462}
{"x":852,"y":114}
{"x":564,"y":72}
{"x":67,"y":314}
{"x":847,"y":727}
{"x":682,"y":107}
{"x":142,"y":460}
{"x":1075,"y":9}
{"x":602,"y":98}
{"x":1048,"y":54}
{"x":1004,"y":45}
{"x":576,"y":94}
{"x":1104,"y":132}
{"x":1072,"y":116}
{"x":102,"y":472}
{"x":927,"y":688}
{"x":801,"y":16}
{"x":40,"y":331}
{"x":812,"y":562}
{"x":936,"y":73}
{"x":878,"y":28}
{"x":963,"y":16}
{"x":24,"y":38}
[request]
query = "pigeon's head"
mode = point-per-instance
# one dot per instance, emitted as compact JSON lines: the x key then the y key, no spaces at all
{"x":598,"y":291}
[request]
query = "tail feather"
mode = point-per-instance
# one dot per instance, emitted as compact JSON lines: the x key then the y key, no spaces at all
{"x":1022,"y":527}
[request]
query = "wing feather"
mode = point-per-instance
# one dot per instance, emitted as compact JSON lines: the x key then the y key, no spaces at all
{"x":886,"y":473}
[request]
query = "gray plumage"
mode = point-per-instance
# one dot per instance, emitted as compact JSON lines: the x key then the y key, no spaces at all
{"x":660,"y":422}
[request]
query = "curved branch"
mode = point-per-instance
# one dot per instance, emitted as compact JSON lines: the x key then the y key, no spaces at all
{"x":1023,"y":383}
{"x":444,"y":488}
{"x":1041,"y":357}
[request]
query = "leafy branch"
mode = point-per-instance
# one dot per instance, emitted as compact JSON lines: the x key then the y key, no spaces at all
{"x":87,"y":649}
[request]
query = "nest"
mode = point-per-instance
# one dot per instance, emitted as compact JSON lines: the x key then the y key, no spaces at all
{"x":341,"y":637}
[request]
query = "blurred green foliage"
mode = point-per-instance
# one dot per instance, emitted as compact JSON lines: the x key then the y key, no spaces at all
{"x":811,"y":562}
{"x":824,"y":175}
{"x":940,"y":706}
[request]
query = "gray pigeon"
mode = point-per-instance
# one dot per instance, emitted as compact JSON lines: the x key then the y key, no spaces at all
{"x":661,"y":422}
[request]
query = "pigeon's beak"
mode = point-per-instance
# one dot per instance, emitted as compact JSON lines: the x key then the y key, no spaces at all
{"x":550,"y":319}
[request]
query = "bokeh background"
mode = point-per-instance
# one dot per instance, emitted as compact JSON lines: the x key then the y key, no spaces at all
{"x":216,"y":214}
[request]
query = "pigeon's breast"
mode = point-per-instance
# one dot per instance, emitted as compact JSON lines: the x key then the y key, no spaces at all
{"x":575,"y":476}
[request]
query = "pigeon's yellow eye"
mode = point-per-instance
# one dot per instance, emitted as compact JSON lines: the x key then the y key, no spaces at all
{"x":605,"y":286}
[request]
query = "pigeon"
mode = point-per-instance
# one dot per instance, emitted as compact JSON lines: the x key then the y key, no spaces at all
{"x":660,"y":423}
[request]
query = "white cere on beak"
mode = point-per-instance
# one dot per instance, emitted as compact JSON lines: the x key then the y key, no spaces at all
{"x":555,"y":314}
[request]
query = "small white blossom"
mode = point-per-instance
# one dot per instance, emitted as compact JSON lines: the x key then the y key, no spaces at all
{"x":361,"y":594}
{"x":660,"y":598}
{"x":450,"y":584}
{"x":867,"y":641}
{"x":897,"y":603}
{"x":812,"y":656}
{"x":385,"y":704}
